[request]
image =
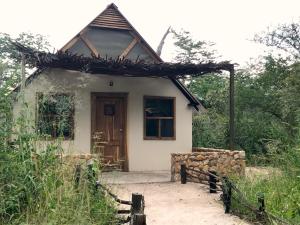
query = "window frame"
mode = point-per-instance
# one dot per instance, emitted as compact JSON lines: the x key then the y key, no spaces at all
{"x":146,"y":97}
{"x":37,"y":115}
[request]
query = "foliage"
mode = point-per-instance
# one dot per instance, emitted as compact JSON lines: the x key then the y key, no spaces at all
{"x":192,"y":51}
{"x":10,"y":69}
{"x":36,"y":186}
{"x":281,"y":120}
{"x":285,"y":37}
{"x":209,"y":130}
{"x":280,"y":188}
{"x":266,"y":101}
{"x":210,"y":127}
{"x":267,"y":110}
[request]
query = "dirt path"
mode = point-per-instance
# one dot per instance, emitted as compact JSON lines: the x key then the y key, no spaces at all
{"x":176,"y":204}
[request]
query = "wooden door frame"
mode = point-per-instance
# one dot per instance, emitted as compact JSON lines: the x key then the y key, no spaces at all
{"x":124,"y":97}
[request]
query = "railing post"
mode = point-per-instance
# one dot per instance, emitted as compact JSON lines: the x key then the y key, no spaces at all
{"x":261,"y":207}
{"x":77,"y":175}
{"x":91,"y":172}
{"x":212,"y":182}
{"x":227,"y":194}
{"x":261,"y":202}
{"x":137,"y":210}
{"x":97,"y":185}
{"x":137,"y":200}
{"x":183,"y":173}
{"x":139,"y":219}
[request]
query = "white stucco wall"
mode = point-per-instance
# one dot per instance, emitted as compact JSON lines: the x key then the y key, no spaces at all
{"x":143,"y":154}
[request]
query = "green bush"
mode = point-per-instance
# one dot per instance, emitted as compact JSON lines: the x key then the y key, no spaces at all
{"x":209,"y":130}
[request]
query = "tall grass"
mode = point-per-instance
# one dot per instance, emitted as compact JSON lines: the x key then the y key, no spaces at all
{"x":37,"y":186}
{"x":281,"y":187}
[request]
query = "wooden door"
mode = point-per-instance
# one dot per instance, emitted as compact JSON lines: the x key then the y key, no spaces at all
{"x":108,"y":129}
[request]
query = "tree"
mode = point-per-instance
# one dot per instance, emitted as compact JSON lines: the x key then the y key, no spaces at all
{"x":10,"y":75}
{"x":192,"y":51}
{"x":10,"y":70}
{"x":285,"y":37}
{"x":210,"y":128}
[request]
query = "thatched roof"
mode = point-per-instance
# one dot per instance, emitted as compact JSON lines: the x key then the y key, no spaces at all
{"x":118,"y":66}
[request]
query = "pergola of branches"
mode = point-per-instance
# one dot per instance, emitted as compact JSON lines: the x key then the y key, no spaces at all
{"x":118,"y":66}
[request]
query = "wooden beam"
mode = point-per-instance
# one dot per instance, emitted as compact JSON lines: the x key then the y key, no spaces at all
{"x":70,"y":44}
{"x":23,"y":79}
{"x":90,"y":45}
{"x":231,"y":108}
{"x":128,"y":49}
{"x":144,"y":45}
{"x":22,"y":72}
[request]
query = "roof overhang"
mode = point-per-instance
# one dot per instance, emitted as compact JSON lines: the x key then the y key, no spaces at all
{"x":122,"y":67}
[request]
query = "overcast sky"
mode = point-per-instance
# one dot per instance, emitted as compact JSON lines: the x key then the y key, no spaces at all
{"x":228,"y":23}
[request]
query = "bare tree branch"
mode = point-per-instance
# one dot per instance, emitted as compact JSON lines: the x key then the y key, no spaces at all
{"x":162,"y":42}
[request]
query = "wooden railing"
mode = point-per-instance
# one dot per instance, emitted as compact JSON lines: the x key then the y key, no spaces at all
{"x":135,"y":215}
{"x":230,"y":193}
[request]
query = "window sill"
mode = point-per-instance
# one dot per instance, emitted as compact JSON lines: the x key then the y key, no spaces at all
{"x":160,"y":138}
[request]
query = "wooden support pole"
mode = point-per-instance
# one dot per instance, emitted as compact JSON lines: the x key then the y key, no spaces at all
{"x":231,"y":108}
{"x":183,"y":173}
{"x":22,"y":73}
{"x":212,"y":182}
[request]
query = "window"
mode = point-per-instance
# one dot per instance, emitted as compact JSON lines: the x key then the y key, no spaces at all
{"x":159,"y":118}
{"x":55,"y":115}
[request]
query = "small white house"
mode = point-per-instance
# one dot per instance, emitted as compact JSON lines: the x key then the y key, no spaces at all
{"x":134,"y":121}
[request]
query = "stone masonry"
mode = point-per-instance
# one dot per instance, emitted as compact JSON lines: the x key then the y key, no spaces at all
{"x":222,"y":161}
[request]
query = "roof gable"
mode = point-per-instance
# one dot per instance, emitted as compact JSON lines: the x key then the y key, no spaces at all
{"x":111,"y":18}
{"x":110,"y":35}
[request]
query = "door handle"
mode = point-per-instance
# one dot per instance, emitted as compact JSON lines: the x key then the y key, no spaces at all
{"x":121,"y":130}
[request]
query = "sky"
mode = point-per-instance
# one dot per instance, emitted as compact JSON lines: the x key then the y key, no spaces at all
{"x":231,"y":24}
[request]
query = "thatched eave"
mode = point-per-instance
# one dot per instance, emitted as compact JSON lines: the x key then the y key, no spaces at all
{"x":119,"y":66}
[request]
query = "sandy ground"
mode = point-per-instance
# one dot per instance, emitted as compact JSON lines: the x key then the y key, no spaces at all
{"x":265,"y":172}
{"x":173,"y":203}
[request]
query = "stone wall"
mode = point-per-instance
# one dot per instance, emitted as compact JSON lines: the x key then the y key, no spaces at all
{"x":224,"y":162}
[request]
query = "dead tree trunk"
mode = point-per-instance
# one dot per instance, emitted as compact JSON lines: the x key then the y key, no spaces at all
{"x":162,"y":42}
